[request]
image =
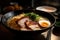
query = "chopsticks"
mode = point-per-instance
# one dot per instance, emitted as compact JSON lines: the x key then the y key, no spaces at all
{"x":49,"y":34}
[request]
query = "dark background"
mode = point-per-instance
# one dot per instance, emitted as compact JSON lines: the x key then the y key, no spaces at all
{"x":28,"y":2}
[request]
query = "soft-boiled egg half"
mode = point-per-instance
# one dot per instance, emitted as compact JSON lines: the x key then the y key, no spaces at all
{"x":44,"y":23}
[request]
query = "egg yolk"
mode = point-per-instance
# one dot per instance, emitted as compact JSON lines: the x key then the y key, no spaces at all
{"x":44,"y":24}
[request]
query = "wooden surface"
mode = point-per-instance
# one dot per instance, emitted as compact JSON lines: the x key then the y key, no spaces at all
{"x":55,"y":34}
{"x":5,"y":34}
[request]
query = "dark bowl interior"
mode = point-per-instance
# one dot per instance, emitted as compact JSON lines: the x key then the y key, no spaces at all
{"x":14,"y":13}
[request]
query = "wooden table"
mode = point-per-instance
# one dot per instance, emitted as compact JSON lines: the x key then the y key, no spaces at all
{"x":5,"y":34}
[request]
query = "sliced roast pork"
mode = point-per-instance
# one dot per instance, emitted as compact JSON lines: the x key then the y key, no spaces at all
{"x":32,"y":25}
{"x":21,"y":23}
